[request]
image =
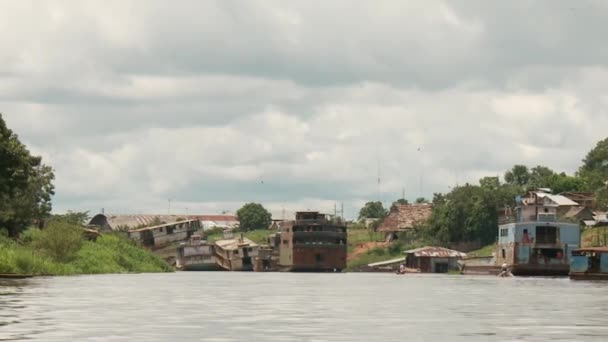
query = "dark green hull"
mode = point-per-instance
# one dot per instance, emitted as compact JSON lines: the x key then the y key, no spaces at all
{"x":201,"y":268}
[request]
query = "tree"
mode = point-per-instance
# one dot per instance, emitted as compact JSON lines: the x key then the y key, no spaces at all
{"x":25,"y":184}
{"x":74,"y":217}
{"x":518,"y":175}
{"x":254,"y":216}
{"x":541,"y":177}
{"x":373,"y":210}
{"x":421,"y":200}
{"x":594,"y":170}
{"x":401,"y":201}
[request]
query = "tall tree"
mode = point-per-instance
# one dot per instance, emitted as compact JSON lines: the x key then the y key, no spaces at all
{"x":541,"y":177}
{"x":372,"y":210}
{"x":518,"y":175}
{"x":594,"y":172}
{"x":254,"y":216}
{"x":25,"y":184}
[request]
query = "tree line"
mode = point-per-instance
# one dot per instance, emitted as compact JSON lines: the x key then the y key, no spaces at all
{"x":470,"y":212}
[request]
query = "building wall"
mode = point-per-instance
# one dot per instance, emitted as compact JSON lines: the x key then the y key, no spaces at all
{"x":331,"y":257}
{"x":286,"y":244}
{"x":567,"y":233}
{"x":519,"y":245}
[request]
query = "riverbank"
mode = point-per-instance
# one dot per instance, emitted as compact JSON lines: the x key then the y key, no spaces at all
{"x":62,"y":249}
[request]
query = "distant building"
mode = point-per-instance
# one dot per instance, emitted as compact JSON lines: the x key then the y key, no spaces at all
{"x":542,"y":202}
{"x":109,"y":222}
{"x":236,"y":254}
{"x":217,"y":221}
{"x":433,"y":259}
{"x":585,"y":199}
{"x":165,"y":234}
{"x":538,"y":244}
{"x":313,"y":243}
{"x":405,"y":217}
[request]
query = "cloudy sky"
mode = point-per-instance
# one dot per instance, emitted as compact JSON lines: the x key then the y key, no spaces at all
{"x":297,"y":104}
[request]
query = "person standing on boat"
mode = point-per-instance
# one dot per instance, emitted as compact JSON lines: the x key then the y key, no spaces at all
{"x":505,"y":273}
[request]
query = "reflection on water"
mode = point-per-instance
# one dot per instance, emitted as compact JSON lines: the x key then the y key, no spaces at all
{"x":301,"y":307}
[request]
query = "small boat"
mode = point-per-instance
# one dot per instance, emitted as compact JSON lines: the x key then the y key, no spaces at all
{"x":589,"y":264}
{"x":196,"y":255}
{"x":15,"y":276}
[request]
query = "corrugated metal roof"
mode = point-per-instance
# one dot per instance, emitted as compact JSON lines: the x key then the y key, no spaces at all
{"x":387,"y":262}
{"x":436,"y":252}
{"x":235,"y":243}
{"x":557,"y":199}
{"x":593,"y":249}
{"x":215,"y":218}
{"x":162,"y":225}
{"x":561,"y":200}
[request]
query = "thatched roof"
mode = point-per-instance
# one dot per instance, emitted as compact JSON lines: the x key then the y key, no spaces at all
{"x":405,"y":216}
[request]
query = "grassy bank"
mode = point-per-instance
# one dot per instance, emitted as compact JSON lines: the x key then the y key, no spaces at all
{"x":593,"y":237}
{"x":60,"y":249}
{"x":483,"y":252}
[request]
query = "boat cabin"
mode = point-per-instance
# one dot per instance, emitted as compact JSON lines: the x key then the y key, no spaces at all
{"x":589,"y":264}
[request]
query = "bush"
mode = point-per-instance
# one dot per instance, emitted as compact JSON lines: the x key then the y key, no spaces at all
{"x":59,"y":240}
{"x":113,"y":254}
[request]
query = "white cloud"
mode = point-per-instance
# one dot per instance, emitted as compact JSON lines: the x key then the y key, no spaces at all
{"x":214,"y":104}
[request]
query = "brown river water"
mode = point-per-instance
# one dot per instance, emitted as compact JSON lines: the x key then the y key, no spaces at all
{"x":302,"y":307}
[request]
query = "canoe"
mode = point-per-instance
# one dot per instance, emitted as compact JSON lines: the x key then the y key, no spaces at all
{"x":15,"y":276}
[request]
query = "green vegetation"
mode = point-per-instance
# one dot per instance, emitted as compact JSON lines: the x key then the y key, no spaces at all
{"x":594,"y":237}
{"x":254,"y":216}
{"x":259,"y":236}
{"x":372,"y":210}
{"x":483,"y":252}
{"x":393,"y":251}
{"x":60,"y":249}
{"x":25,"y":184}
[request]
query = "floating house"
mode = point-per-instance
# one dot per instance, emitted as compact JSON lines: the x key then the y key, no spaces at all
{"x":313,"y":243}
{"x":589,"y":264}
{"x":536,"y":243}
{"x":433,"y":259}
{"x":236,"y":254}
{"x":165,"y":234}
{"x":196,"y":255}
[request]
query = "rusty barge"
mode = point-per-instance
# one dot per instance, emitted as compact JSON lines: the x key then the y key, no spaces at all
{"x":313,"y":243}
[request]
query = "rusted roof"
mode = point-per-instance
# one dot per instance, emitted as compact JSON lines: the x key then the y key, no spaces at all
{"x":235,"y":243}
{"x":574,"y":211}
{"x":215,"y":218}
{"x":436,"y":252}
{"x":161,"y":226}
{"x":406,"y":216}
{"x":593,"y":249}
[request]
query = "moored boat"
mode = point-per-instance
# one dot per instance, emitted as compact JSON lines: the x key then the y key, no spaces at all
{"x":15,"y":276}
{"x":589,"y":264}
{"x":196,"y":255}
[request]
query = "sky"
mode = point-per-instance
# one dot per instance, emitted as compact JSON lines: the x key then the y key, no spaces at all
{"x":149,"y":107}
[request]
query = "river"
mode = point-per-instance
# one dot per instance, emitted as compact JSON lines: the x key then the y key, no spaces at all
{"x":301,"y":307}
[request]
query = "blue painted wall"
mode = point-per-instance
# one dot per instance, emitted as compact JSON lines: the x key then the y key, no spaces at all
{"x":568,"y":233}
{"x":579,"y":263}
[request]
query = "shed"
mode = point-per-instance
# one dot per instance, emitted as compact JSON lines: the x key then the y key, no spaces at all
{"x":433,"y":259}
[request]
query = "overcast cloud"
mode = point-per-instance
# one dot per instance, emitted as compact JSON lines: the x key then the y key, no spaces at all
{"x":297,"y":104}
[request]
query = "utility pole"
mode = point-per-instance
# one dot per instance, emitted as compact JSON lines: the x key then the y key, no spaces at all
{"x":169,"y":209}
{"x":342,"y":211}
